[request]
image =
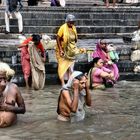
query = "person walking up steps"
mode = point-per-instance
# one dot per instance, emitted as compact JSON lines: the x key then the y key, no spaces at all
{"x":107,"y":3}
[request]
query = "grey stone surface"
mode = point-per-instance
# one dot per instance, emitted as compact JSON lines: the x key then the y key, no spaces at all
{"x":90,"y":20}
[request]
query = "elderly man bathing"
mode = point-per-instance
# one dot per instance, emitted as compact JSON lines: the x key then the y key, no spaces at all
{"x":11,"y":101}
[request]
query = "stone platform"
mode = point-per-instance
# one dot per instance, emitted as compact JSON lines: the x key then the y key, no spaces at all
{"x":8,"y":49}
{"x":91,"y":21}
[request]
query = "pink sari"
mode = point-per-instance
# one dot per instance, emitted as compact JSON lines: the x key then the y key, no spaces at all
{"x":104,"y":56}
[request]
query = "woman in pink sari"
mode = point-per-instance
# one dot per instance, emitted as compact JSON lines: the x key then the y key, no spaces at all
{"x":100,"y":77}
{"x":101,"y":51}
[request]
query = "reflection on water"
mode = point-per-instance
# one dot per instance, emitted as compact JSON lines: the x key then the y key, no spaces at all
{"x":114,"y":115}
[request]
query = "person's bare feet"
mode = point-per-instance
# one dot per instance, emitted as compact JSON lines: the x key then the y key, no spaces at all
{"x":107,"y":5}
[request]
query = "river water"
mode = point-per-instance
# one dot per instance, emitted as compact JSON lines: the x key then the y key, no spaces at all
{"x":114,"y":115}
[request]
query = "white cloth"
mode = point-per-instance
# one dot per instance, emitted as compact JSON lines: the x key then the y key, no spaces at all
{"x":131,"y":1}
{"x":135,"y":56}
{"x":80,"y":113}
{"x":18,"y":16}
{"x":62,"y":3}
{"x":70,"y":81}
{"x":136,"y":36}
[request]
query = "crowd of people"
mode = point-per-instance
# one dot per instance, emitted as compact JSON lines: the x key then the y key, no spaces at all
{"x":75,"y":85}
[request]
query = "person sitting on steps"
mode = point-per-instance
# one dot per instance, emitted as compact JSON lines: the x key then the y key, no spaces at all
{"x":13,"y":8}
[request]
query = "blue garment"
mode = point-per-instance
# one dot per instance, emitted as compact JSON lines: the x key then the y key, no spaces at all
{"x":15,"y":8}
{"x":55,"y":3}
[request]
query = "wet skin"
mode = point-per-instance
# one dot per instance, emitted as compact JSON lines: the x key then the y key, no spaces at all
{"x":11,"y":102}
{"x":68,"y":105}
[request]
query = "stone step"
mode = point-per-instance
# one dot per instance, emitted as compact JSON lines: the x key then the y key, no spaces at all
{"x":80,"y":29}
{"x":68,"y":3}
{"x":52,"y":79}
{"x":77,"y":2}
{"x":75,"y":9}
{"x":86,"y":14}
{"x":80,"y":4}
{"x":124,"y":51}
{"x":79,"y":15}
{"x":84,"y":3}
{"x":51,"y":68}
{"x":81,"y":22}
{"x":80,"y":35}
{"x":10,"y":41}
{"x":52,"y":76}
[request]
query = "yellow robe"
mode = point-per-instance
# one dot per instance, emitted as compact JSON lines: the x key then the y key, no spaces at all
{"x":63,"y":63}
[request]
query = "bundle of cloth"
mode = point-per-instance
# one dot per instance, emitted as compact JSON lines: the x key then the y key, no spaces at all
{"x":112,"y":52}
{"x":46,"y":41}
{"x":132,"y":1}
{"x":135,"y":55}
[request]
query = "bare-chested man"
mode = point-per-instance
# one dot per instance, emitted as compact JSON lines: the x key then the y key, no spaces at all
{"x":11,"y":101}
{"x":73,"y":96}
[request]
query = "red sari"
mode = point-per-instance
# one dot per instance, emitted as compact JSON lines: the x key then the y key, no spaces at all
{"x":25,"y":57}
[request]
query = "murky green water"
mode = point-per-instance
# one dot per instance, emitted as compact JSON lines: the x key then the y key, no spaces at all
{"x":114,"y":115}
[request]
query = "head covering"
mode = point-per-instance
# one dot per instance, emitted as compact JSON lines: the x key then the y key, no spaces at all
{"x":70,"y":17}
{"x":99,"y":52}
{"x":4,"y":67}
{"x":73,"y":75}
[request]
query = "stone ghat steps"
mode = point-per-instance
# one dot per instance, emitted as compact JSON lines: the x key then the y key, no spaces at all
{"x":97,"y":4}
{"x":51,"y":67}
{"x":83,"y":31}
{"x":52,"y":79}
{"x":80,"y":15}
{"x":91,"y":22}
{"x":80,"y":3}
{"x":124,"y":51}
{"x":80,"y":29}
{"x":11,"y":40}
{"x":81,"y":22}
{"x":75,"y":9}
{"x":80,"y":35}
{"x":52,"y":76}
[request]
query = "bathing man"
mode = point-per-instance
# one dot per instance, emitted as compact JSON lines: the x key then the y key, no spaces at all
{"x":11,"y":101}
{"x":73,"y":96}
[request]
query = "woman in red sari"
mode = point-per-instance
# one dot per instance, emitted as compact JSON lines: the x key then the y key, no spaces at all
{"x":25,"y":56}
